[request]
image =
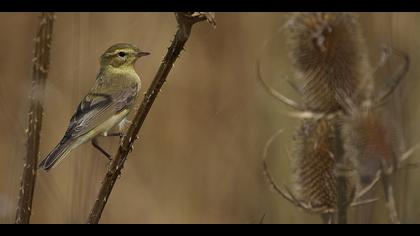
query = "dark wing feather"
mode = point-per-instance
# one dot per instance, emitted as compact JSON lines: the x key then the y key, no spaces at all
{"x":96,"y":108}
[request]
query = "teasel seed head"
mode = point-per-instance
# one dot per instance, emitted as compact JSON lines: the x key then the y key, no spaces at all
{"x":329,"y":57}
{"x":315,"y":163}
{"x":369,"y":139}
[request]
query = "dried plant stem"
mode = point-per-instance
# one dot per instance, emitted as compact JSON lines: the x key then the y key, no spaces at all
{"x":40,"y":67}
{"x":185,"y":23}
{"x":389,"y":197}
{"x":341,"y":180}
{"x":341,"y":200}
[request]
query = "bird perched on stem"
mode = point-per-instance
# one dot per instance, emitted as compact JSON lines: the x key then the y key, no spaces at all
{"x":106,"y":105}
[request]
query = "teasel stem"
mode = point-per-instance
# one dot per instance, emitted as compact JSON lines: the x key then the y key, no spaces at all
{"x":41,"y":62}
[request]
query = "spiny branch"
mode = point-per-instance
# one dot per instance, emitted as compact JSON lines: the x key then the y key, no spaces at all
{"x":40,"y":68}
{"x":185,"y":23}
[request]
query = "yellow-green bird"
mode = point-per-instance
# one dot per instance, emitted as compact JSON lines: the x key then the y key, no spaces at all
{"x":106,"y":105}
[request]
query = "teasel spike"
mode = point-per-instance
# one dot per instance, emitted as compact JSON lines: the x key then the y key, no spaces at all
{"x":329,"y":56}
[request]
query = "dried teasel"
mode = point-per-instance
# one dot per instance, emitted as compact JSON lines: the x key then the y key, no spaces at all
{"x":315,"y":170}
{"x":369,"y":141}
{"x":343,"y":134}
{"x":317,"y":144}
{"x":330,"y":61}
{"x":329,"y":57}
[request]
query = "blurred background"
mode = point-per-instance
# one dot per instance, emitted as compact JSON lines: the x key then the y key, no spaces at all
{"x":198,"y":159}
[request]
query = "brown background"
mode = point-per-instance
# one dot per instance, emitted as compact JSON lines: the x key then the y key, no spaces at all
{"x":198,"y":159}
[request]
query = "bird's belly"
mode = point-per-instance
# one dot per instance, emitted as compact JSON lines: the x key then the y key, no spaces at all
{"x":105,"y":126}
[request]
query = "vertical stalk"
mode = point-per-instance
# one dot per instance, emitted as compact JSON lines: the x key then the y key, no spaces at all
{"x":342,"y":178}
{"x":40,"y":68}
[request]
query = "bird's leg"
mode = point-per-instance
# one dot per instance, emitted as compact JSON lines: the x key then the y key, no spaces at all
{"x":123,"y":125}
{"x":96,"y":145}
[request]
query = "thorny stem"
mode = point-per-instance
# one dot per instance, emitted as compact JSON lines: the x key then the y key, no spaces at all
{"x":40,"y":68}
{"x":341,"y":179}
{"x":185,"y":23}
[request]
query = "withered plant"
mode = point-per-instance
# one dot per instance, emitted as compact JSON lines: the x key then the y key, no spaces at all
{"x":342,"y":147}
{"x":41,"y":63}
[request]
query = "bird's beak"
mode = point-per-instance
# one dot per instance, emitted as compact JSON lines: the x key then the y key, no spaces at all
{"x":142,"y":54}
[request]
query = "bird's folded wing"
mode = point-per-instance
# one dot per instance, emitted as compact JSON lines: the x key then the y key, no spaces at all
{"x":96,"y":108}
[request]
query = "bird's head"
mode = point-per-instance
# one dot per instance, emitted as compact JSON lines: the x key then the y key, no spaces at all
{"x":121,"y":55}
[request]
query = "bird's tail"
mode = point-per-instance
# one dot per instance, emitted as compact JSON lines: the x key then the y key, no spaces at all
{"x":57,"y":154}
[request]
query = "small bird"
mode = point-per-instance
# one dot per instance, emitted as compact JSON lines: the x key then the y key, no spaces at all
{"x":106,"y":105}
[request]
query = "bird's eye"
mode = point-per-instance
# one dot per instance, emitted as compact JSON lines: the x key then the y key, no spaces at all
{"x":121,"y":54}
